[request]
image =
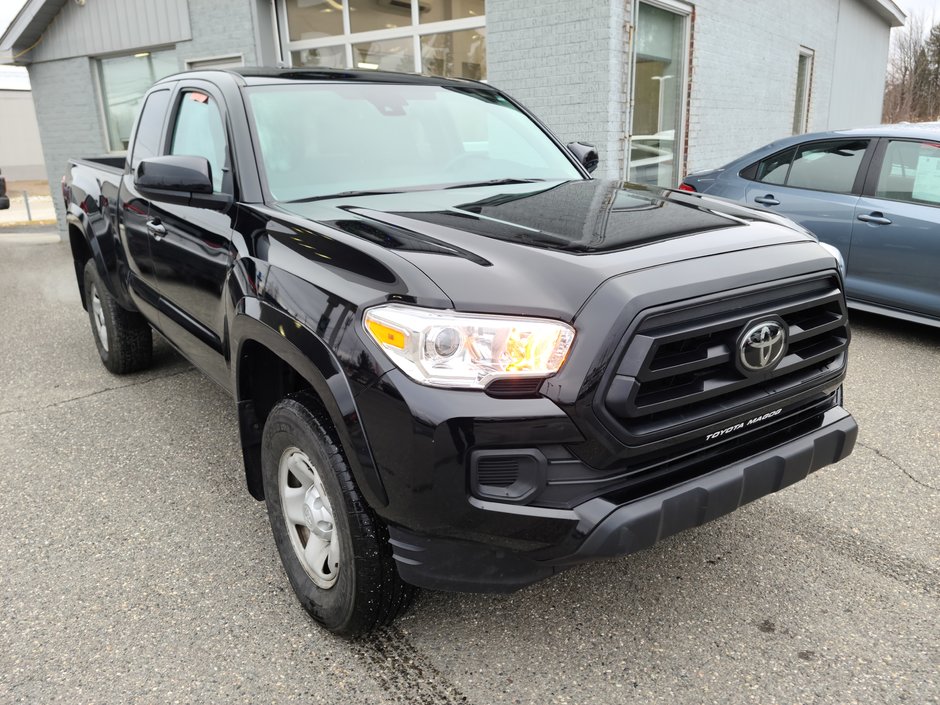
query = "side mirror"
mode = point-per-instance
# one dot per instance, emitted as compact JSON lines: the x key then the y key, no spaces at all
{"x":179,"y":179}
{"x":585,"y":154}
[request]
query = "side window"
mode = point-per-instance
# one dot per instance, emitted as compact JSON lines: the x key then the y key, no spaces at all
{"x":772,"y":170}
{"x":910,"y":172}
{"x":149,"y":126}
{"x":827,"y":166}
{"x":199,"y":132}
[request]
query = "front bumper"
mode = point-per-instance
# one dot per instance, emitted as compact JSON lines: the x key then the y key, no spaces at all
{"x":601,"y":528}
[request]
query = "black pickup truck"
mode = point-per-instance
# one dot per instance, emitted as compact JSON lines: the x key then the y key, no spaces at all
{"x":459,"y":362}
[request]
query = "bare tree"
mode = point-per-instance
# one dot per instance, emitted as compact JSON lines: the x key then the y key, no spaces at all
{"x":912,"y":88}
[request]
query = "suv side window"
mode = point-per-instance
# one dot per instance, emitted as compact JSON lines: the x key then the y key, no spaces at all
{"x":149,"y":126}
{"x":910,"y":172}
{"x":200,"y":132}
{"x":820,"y":166}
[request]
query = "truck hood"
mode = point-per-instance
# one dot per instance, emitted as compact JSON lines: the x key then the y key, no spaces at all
{"x":543,"y":248}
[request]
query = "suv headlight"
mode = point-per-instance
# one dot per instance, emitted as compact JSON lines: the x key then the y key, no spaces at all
{"x":450,"y":349}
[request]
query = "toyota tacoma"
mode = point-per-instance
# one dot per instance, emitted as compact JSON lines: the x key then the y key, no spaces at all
{"x":459,"y":361}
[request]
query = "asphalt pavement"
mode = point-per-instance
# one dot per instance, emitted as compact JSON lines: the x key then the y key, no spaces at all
{"x":135,"y":568}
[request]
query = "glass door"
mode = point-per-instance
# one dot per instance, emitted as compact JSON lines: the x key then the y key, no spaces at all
{"x":659,"y":86}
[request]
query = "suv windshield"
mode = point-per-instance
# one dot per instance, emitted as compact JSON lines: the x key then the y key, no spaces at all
{"x":321,"y":139}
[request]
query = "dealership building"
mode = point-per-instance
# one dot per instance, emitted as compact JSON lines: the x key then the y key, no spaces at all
{"x":661,"y":87}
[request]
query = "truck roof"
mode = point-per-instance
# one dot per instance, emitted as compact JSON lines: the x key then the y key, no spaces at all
{"x":267,"y":75}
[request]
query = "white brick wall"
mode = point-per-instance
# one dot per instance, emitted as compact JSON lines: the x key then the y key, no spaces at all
{"x":564,"y":61}
{"x":743,"y":73}
{"x":568,"y":62}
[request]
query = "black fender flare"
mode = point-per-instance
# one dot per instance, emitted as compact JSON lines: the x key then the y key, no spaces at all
{"x":77,"y":220}
{"x":309,"y":356}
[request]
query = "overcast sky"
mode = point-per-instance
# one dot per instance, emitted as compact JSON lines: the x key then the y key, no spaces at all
{"x":11,"y":77}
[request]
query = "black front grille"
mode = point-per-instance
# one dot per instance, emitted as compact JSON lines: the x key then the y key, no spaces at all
{"x":678,"y":369}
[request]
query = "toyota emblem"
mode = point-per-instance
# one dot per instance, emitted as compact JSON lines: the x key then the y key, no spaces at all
{"x":762,"y":345}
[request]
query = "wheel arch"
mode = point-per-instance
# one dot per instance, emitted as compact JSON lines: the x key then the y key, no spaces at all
{"x":275,"y":356}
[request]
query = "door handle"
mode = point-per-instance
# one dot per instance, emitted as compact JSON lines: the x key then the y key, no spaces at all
{"x":767,"y":200}
{"x":876,"y":217}
{"x":155,"y":229}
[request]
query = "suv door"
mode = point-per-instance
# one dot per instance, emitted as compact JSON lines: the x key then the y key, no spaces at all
{"x":895,"y":254}
{"x":192,"y":247}
{"x":814,"y":183}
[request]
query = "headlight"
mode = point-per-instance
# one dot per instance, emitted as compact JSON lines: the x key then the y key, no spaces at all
{"x":449,"y":349}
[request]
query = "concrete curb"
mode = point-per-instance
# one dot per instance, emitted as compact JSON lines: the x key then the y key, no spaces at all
{"x":25,"y":237}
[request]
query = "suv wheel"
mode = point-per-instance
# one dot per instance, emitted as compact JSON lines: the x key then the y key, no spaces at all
{"x":334,"y":549}
{"x":123,"y":338}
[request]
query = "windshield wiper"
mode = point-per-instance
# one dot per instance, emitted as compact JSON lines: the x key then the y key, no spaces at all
{"x":495,"y":182}
{"x":342,"y":194}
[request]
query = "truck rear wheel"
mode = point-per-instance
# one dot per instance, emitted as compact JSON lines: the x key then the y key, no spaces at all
{"x":123,"y":338}
{"x":334,"y":549}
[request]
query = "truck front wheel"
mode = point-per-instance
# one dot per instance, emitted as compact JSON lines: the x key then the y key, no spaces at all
{"x":123,"y":338}
{"x":334,"y":549}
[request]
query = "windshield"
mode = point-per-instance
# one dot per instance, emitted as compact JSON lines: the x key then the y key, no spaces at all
{"x":322,"y":139}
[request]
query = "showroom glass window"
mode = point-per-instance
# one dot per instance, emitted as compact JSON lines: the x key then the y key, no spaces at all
{"x":441,"y":37}
{"x":659,"y":86}
{"x":124,"y":81}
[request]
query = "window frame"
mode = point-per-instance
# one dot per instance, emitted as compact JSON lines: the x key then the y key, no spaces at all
{"x":804,"y":108}
{"x":870,"y":187}
{"x":861,"y":176}
{"x":348,"y":39}
{"x":229,"y":178}
{"x":680,"y":144}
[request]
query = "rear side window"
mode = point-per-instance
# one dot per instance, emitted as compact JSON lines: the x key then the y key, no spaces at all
{"x":773,"y":170}
{"x":149,"y":127}
{"x":910,"y":172}
{"x":820,"y":166}
{"x":200,"y":132}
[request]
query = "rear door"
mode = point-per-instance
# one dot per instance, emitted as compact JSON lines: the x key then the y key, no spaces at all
{"x":814,"y":183}
{"x":135,"y":209}
{"x":192,"y":247}
{"x":895,"y":254}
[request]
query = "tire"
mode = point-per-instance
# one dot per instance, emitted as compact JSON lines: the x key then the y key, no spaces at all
{"x":123,"y":338}
{"x":334,"y":549}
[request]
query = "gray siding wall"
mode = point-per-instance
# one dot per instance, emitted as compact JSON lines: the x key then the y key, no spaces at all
{"x":20,"y":148}
{"x":69,"y":117}
{"x":108,"y":26}
{"x":567,"y":62}
{"x":858,"y":75}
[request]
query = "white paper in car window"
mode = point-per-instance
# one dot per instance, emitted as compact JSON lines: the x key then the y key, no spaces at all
{"x":927,"y":179}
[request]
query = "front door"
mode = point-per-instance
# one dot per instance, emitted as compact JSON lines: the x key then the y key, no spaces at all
{"x":192,"y":247}
{"x":895,"y":257}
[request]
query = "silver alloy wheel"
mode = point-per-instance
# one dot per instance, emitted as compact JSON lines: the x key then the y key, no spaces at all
{"x":101,"y":330}
{"x":309,"y":517}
